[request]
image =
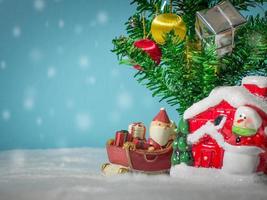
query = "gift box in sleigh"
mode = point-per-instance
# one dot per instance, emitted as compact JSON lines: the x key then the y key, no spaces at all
{"x":129,"y":159}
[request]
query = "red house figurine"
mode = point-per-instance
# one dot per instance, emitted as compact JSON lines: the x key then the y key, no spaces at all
{"x":228,"y":129}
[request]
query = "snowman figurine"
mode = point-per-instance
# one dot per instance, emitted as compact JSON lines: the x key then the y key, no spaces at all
{"x":246,"y":121}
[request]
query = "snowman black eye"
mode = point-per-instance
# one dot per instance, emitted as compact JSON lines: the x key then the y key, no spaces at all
{"x":240,"y":115}
{"x":245,"y":117}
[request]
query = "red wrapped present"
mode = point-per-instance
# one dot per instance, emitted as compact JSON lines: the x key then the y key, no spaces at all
{"x":122,"y":137}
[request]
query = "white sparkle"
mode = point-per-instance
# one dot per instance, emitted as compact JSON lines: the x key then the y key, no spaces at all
{"x":3,"y":64}
{"x":60,"y":50}
{"x":29,"y":103}
{"x":125,"y":100}
{"x":114,"y":117}
{"x":6,"y":115}
{"x":115,"y":72}
{"x":84,"y":62}
{"x":51,"y":72}
{"x":69,"y":104}
{"x":46,"y":24}
{"x":16,"y":31}
{"x":102,"y":17}
{"x":39,"y":121}
{"x":51,"y":112}
{"x":91,"y":80}
{"x":78,"y":29}
{"x":39,"y":5}
{"x":36,"y":55}
{"x":61,"y":23}
{"x":83,"y":121}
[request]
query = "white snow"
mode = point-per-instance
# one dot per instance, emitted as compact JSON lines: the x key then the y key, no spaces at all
{"x":260,"y":81}
{"x":51,"y":72}
{"x":29,"y":103}
{"x":6,"y":115}
{"x":70,"y":103}
{"x":125,"y":100}
{"x":39,"y":5}
{"x":36,"y":55}
{"x":68,"y":174}
{"x":61,"y":23}
{"x":236,"y":96}
{"x":3,"y":64}
{"x":207,"y":129}
{"x":114,"y":116}
{"x":16,"y":31}
{"x":84,"y":62}
{"x":60,"y":50}
{"x":102,"y":17}
{"x":78,"y":29}
{"x":90,"y":80}
{"x":39,"y":121}
{"x":83,"y":121}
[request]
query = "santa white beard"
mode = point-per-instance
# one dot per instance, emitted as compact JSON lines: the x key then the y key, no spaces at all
{"x":159,"y":134}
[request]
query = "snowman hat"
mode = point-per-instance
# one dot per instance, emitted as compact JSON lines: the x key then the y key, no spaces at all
{"x":162,"y":116}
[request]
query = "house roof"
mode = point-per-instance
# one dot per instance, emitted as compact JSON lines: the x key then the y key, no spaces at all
{"x":234,"y":95}
{"x":221,"y":17}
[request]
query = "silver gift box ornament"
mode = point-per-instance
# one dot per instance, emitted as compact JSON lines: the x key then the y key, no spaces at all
{"x":218,"y":25}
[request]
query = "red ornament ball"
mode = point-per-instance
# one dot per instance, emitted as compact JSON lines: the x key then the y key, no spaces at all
{"x":151,"y":48}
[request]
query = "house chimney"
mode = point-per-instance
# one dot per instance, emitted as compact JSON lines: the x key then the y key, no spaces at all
{"x":256,"y":85}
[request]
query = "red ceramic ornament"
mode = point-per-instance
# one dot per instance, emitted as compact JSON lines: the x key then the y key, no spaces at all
{"x":151,"y":48}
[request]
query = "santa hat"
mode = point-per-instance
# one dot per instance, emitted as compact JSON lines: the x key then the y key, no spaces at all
{"x":162,"y":116}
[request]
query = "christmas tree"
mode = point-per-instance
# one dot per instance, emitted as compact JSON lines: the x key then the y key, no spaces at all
{"x":180,"y":66}
{"x":182,"y":49}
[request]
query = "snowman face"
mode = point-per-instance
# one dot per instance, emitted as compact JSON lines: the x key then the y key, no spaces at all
{"x":246,"y":122}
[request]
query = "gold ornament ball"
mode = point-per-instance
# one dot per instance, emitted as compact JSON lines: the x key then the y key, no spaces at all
{"x":165,"y":23}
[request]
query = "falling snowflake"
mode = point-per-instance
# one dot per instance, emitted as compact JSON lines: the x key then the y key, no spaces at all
{"x":51,"y":112}
{"x":39,"y":121}
{"x":78,"y":29}
{"x":69,"y":104}
{"x":124,"y":100}
{"x":61,"y":23}
{"x":46,"y":24}
{"x":51,"y":72}
{"x":96,"y":44}
{"x":83,"y":121}
{"x":39,"y":5}
{"x":6,"y":115}
{"x":84,"y":62}
{"x":91,"y":80}
{"x":114,"y":117}
{"x":115,"y":73}
{"x":36,"y":55}
{"x":102,"y":17}
{"x":16,"y":31}
{"x":29,"y":103}
{"x":3,"y":64}
{"x":60,"y":50}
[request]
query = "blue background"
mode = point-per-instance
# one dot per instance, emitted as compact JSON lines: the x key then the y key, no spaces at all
{"x":60,"y":86}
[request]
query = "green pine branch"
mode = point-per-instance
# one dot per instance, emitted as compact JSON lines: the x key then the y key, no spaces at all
{"x":188,"y":73}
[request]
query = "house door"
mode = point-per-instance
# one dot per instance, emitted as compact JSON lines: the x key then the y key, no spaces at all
{"x":207,"y":158}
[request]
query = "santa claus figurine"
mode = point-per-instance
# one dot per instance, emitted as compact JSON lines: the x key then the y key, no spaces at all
{"x":159,"y":131}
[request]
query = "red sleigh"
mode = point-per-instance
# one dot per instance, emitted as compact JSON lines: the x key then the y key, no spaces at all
{"x":139,"y":160}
